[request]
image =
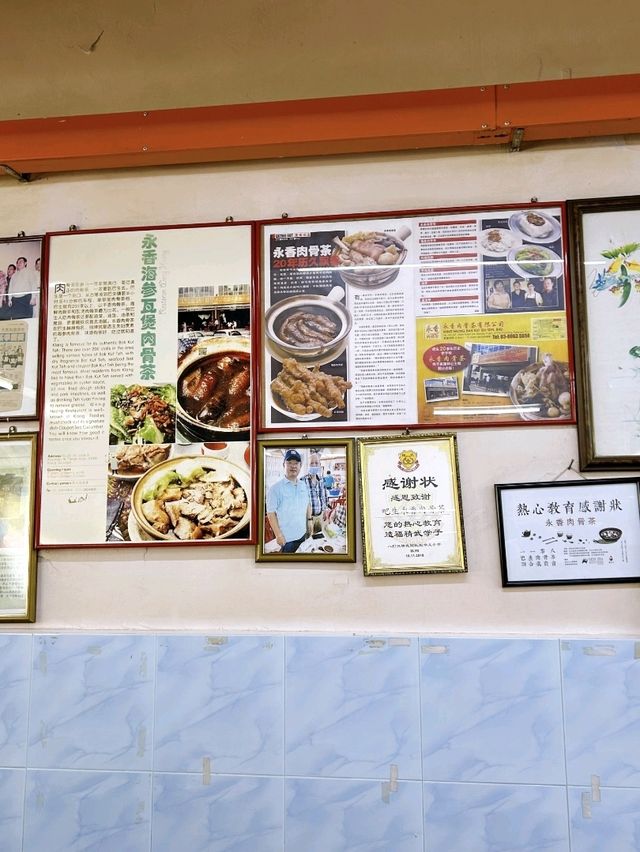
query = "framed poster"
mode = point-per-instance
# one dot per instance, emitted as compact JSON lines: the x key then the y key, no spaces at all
{"x":306,"y":501}
{"x":20,"y":302}
{"x":411,"y":505}
{"x":606,"y":262}
{"x":569,"y":532}
{"x":17,"y":554}
{"x":454,"y":317}
{"x":148,"y":419}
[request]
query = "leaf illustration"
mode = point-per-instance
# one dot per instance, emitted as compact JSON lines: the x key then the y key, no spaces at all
{"x":611,"y":253}
{"x":630,"y":248}
{"x":635,"y":351}
{"x":626,"y":292}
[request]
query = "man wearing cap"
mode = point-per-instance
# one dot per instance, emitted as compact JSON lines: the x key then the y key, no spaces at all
{"x":289,"y":507}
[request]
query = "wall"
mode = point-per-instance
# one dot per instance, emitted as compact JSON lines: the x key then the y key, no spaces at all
{"x":119,"y":56}
{"x":133,"y":743}
{"x":222,"y":589}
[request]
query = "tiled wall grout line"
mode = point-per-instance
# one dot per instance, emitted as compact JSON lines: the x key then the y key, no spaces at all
{"x":564,"y":744}
{"x":422,"y":773}
{"x":26,"y":745}
{"x":284,"y":743}
{"x":153,"y":736}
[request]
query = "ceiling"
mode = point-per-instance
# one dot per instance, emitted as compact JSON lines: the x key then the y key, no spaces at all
{"x":101,"y":56}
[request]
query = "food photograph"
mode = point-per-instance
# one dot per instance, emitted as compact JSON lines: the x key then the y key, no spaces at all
{"x":307,"y":335}
{"x":371,"y":258}
{"x":197,"y":492}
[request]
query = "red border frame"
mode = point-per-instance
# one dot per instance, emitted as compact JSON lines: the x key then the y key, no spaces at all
{"x":251,"y":540}
{"x":263,"y":429}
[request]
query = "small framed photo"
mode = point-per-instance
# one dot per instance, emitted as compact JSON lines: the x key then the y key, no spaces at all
{"x":20,"y":296}
{"x":560,"y":533}
{"x":306,"y":501}
{"x":411,"y":507}
{"x":17,"y":554}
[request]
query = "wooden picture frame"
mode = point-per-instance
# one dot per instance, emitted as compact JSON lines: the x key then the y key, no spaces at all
{"x":605,"y":258}
{"x":20,"y":320}
{"x":306,"y":500}
{"x":17,"y":554}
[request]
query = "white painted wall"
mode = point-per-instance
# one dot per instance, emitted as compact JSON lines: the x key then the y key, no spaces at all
{"x":223,"y":589}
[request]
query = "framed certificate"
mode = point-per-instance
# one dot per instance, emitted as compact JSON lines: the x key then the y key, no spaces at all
{"x":557,"y":533}
{"x":411,"y":505}
{"x":17,"y":554}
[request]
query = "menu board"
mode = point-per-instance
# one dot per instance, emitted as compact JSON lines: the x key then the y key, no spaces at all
{"x":147,"y":418}
{"x":442,"y":318}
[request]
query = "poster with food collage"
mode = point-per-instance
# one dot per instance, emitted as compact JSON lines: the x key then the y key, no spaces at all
{"x":446,"y":318}
{"x":147,"y":419}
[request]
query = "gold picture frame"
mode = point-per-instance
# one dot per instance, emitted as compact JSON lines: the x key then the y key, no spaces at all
{"x":17,"y":553}
{"x":407,"y":526}
{"x":303,"y":515}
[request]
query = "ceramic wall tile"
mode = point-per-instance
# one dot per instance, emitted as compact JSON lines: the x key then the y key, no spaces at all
{"x":15,"y":659}
{"x":219,"y":704}
{"x":602,"y":712}
{"x":325,"y":814}
{"x":225,"y":814}
{"x":11,"y":809}
{"x":85,"y":810}
{"x":495,"y":818}
{"x":352,"y":708}
{"x":612,"y":823}
{"x":92,"y":702}
{"x":491,"y":711}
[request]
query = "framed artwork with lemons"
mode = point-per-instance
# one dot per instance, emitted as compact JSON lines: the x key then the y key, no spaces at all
{"x":411,"y":505}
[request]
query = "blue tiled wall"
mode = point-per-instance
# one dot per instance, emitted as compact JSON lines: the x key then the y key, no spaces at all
{"x":143,"y":743}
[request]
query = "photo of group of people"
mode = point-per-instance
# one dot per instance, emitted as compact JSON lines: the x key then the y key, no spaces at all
{"x":19,"y":280}
{"x":519,"y":294}
{"x":307,"y":508}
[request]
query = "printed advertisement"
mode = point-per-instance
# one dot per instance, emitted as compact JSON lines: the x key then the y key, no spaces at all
{"x":147,"y":417}
{"x":447,"y":318}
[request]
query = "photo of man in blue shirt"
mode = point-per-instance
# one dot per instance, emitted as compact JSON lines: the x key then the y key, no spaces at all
{"x":289,"y":506}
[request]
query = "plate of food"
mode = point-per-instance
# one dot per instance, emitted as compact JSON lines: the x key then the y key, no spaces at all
{"x":535,"y":262}
{"x":304,"y":393}
{"x":142,"y":414}
{"x":542,"y":391}
{"x":130,"y":461}
{"x":371,"y":258}
{"x":191,"y":498}
{"x":496,"y":242}
{"x":536,"y":226}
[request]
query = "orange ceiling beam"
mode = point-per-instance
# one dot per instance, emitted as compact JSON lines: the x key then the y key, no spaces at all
{"x":478,"y":115}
